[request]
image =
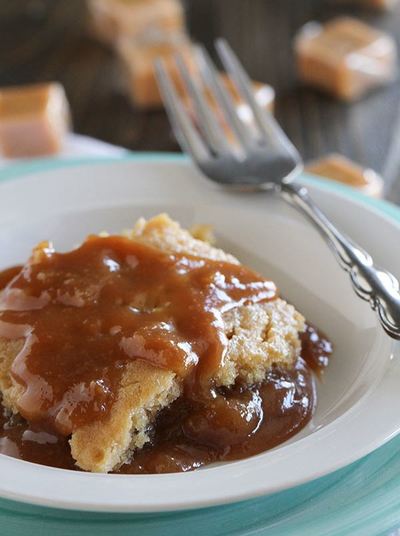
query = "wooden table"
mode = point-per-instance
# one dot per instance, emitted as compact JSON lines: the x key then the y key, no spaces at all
{"x":47,"y":39}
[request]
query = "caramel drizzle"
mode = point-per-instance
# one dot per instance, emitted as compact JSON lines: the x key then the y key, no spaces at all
{"x":85,"y":314}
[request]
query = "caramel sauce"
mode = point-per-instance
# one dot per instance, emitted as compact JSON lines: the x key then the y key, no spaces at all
{"x":86,"y":313}
{"x":316,"y":348}
{"x":238,"y":423}
{"x":8,"y":275}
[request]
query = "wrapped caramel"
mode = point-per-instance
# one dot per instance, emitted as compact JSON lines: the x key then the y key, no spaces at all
{"x":33,"y":120}
{"x":110,"y":20}
{"x":341,"y":169}
{"x":345,"y":57}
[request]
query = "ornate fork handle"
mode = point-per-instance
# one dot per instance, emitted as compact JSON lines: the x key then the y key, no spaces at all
{"x":379,"y":287}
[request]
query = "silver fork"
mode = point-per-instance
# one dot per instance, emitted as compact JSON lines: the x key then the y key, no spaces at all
{"x":262,"y":157}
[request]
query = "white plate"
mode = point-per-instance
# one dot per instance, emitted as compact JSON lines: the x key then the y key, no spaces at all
{"x":359,"y":399}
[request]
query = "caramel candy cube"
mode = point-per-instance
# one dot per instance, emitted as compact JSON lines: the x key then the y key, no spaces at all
{"x":33,"y":120}
{"x":345,"y":57}
{"x":341,"y":169}
{"x":138,"y":63}
{"x":112,"y":19}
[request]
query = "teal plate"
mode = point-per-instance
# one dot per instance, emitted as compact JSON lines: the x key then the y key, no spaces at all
{"x":361,"y":499}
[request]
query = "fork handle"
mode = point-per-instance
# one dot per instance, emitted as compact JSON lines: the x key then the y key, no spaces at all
{"x":379,"y":287}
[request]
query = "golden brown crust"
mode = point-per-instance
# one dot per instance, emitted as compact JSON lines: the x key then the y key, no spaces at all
{"x":260,"y":336}
{"x":104,"y":445}
{"x":166,"y":234}
{"x":11,"y":390}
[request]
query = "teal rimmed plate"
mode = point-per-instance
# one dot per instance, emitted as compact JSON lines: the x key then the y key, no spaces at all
{"x":363,"y":498}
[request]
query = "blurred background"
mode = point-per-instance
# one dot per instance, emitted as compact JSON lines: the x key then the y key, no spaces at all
{"x":44,"y":40}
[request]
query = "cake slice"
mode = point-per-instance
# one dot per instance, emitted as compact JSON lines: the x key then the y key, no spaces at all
{"x":259,"y":336}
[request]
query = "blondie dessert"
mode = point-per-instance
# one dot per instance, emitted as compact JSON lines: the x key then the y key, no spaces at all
{"x":149,"y":352}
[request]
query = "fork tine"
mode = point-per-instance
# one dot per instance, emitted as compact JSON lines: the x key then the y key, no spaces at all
{"x":209,"y":126}
{"x":211,"y":75}
{"x":187,"y":135}
{"x":264,"y":120}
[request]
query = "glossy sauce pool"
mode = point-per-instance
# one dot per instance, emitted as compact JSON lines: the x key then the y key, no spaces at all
{"x":130,"y":289}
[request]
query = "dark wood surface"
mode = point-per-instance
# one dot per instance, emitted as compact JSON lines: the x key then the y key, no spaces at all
{"x":47,"y":39}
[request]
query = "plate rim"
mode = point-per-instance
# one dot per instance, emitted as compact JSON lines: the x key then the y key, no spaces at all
{"x":19,"y":170}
